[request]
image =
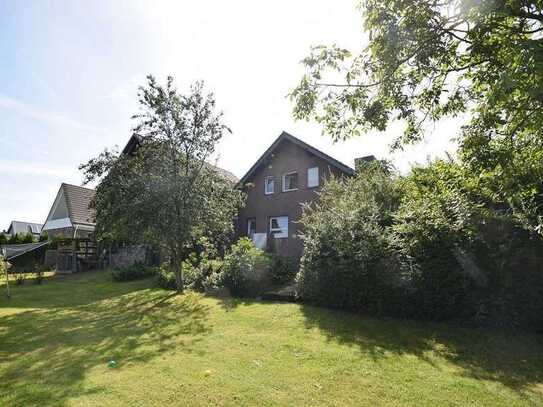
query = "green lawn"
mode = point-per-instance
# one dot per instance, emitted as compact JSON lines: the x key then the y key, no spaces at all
{"x":56,"y":340}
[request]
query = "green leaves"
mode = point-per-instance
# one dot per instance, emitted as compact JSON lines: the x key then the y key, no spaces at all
{"x":427,"y":60}
{"x":165,"y":194}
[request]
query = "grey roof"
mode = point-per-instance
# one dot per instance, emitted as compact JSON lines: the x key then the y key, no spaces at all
{"x":225,"y":174}
{"x":24,"y":227}
{"x":78,"y":200}
{"x":135,"y":141}
{"x":289,"y":137}
{"x":16,"y":250}
{"x":132,"y":145}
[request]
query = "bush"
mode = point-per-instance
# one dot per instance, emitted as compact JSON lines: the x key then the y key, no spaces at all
{"x":135,"y":271}
{"x":165,"y":278}
{"x":201,"y":274}
{"x":21,"y":238}
{"x":282,"y":269}
{"x":435,"y":226}
{"x":3,"y":239}
{"x":245,"y":270}
{"x":348,"y":259}
{"x":430,"y":245}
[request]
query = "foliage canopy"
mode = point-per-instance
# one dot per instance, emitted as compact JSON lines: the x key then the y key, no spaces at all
{"x":166,"y":193}
{"x":426,"y":60}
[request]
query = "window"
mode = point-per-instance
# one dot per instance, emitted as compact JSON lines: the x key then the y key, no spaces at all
{"x":279,"y":227}
{"x":290,"y":181}
{"x":269,"y":185}
{"x":313,"y":177}
{"x":251,"y":227}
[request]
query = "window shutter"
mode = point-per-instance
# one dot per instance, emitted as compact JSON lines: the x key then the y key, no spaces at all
{"x":313,"y":177}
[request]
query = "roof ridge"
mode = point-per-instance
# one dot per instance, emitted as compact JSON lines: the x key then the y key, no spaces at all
{"x":76,"y":186}
{"x":284,"y":135}
{"x":316,"y":149}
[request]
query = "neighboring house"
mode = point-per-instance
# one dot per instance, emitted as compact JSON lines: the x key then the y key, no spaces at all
{"x":135,"y":142}
{"x":287,"y":175}
{"x":71,"y":214}
{"x":17,"y":227}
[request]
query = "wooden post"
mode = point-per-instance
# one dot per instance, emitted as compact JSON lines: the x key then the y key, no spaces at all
{"x":74,"y":256}
{"x":2,"y":257}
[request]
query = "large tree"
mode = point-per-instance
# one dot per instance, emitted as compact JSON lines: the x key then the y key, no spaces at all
{"x":166,"y":193}
{"x":425,"y":60}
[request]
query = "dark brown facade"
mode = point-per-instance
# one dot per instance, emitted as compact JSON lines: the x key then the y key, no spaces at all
{"x":297,"y":171}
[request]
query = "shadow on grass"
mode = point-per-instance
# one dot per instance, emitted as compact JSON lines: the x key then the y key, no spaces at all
{"x":513,"y":359}
{"x":46,"y":353}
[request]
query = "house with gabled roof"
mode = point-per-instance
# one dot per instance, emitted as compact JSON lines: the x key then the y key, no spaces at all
{"x":136,"y":140}
{"x":71,"y":214}
{"x":17,"y":227}
{"x":287,"y":175}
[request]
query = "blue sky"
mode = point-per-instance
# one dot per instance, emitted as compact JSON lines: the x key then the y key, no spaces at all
{"x":69,"y":73}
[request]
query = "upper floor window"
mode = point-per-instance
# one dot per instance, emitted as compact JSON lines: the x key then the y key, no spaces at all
{"x":290,"y":181}
{"x":269,"y":185}
{"x":313,"y":177}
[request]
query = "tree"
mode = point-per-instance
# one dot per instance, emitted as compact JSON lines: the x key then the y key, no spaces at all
{"x":427,"y":60}
{"x":28,"y":238}
{"x":166,"y":194}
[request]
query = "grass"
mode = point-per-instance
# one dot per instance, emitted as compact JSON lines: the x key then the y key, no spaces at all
{"x":56,"y":340}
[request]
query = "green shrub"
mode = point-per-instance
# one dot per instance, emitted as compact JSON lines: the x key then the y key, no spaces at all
{"x":135,"y":271}
{"x":437,"y":221}
{"x":28,"y":238}
{"x":21,"y":238}
{"x":203,"y":272}
{"x":245,"y":270}
{"x":349,"y":261}
{"x":165,"y":278}
{"x":429,"y":245}
{"x":3,"y":239}
{"x":282,"y":269}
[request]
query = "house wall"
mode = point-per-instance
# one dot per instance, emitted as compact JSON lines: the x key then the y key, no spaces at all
{"x":61,"y":210}
{"x":287,"y":157}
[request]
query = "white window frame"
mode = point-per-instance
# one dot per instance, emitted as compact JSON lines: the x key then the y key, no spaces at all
{"x":284,"y":183}
{"x":279,"y":233}
{"x":315,"y":179}
{"x":266,"y":179}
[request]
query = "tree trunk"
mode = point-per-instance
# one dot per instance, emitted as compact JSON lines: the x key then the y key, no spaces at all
{"x":178,"y":274}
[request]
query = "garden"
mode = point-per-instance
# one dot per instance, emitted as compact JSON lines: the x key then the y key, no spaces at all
{"x":59,"y":340}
